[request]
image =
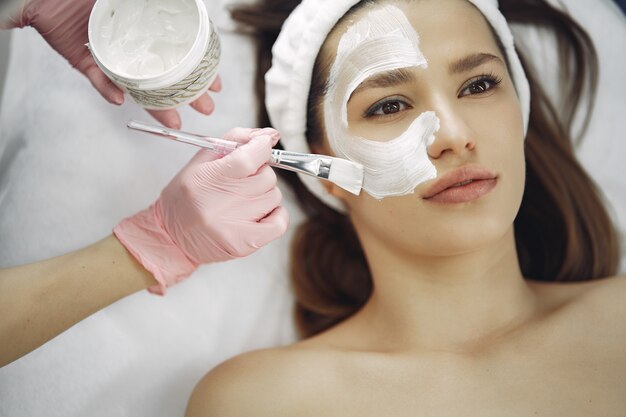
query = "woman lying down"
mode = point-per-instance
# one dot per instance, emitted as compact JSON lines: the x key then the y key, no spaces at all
{"x":464,"y":280}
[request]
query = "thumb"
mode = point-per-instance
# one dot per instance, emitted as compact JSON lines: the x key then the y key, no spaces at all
{"x":246,"y":159}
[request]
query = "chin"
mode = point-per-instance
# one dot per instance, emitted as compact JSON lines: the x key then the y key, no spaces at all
{"x":457,"y":238}
{"x":403,"y":225}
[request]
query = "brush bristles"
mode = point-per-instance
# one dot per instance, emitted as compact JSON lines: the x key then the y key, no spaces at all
{"x":346,"y":174}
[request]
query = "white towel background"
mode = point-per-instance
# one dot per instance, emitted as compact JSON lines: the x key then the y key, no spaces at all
{"x":70,"y":170}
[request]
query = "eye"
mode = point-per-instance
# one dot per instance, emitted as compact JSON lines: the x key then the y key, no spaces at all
{"x":386,"y":107}
{"x":480,"y":85}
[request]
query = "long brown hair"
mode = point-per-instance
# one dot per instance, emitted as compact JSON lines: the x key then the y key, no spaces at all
{"x":562,"y":231}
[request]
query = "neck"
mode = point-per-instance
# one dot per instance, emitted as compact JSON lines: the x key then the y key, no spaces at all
{"x":455,"y":303}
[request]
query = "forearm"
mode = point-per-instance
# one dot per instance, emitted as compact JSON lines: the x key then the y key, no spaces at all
{"x":39,"y":301}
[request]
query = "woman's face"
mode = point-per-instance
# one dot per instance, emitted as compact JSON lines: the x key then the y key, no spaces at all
{"x":458,"y":83}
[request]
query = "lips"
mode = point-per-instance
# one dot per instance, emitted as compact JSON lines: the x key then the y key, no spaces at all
{"x":461,"y":185}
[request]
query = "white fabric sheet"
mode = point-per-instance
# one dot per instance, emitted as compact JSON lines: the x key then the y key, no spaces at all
{"x":69,"y":170}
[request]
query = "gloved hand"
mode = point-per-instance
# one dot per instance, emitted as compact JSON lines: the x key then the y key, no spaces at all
{"x":213,"y":210}
{"x":63,"y":24}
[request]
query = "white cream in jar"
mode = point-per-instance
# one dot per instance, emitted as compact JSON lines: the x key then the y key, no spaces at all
{"x":143,"y":38}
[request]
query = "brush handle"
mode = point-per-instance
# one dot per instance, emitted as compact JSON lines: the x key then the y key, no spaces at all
{"x":314,"y":165}
{"x":215,"y":145}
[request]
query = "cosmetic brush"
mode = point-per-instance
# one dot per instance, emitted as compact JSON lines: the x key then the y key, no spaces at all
{"x":346,"y":174}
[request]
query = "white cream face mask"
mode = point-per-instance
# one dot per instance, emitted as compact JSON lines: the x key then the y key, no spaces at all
{"x":381,"y":41}
{"x":147,"y":38}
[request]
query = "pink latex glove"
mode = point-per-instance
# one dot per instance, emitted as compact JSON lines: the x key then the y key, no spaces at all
{"x":63,"y":24}
{"x":213,"y":210}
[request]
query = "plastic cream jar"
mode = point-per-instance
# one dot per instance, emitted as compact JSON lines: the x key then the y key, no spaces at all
{"x":163,"y":53}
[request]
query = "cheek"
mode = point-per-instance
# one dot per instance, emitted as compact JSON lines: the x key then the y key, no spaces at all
{"x":508,"y":158}
{"x":390,"y":222}
{"x":499,"y":131}
{"x":507,"y":127}
{"x":394,"y":167}
{"x":518,"y":175}
{"x":380,"y":132}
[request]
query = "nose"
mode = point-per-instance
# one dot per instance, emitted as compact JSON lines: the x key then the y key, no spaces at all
{"x":454,"y":135}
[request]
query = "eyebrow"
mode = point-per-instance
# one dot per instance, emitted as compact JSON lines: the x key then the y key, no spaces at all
{"x":404,"y":75}
{"x":469,"y":62}
{"x":386,"y":79}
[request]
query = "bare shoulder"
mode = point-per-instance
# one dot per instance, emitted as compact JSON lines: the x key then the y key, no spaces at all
{"x":264,"y":382}
{"x":601,"y":311}
{"x":594,"y":310}
{"x":606,"y":294}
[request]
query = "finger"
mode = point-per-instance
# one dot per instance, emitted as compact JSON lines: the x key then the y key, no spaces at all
{"x":217,"y":85}
{"x":273,"y":133}
{"x":244,"y":134}
{"x":278,"y":219}
{"x":273,"y":226}
{"x":203,"y":104}
{"x":111,"y":93}
{"x":246,"y":159}
{"x":240,"y":134}
{"x":256,"y":208}
{"x":253,"y":186}
{"x":168,"y":118}
{"x":264,"y":180}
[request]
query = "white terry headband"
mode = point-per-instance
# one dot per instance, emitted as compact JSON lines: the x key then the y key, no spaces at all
{"x":288,"y":81}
